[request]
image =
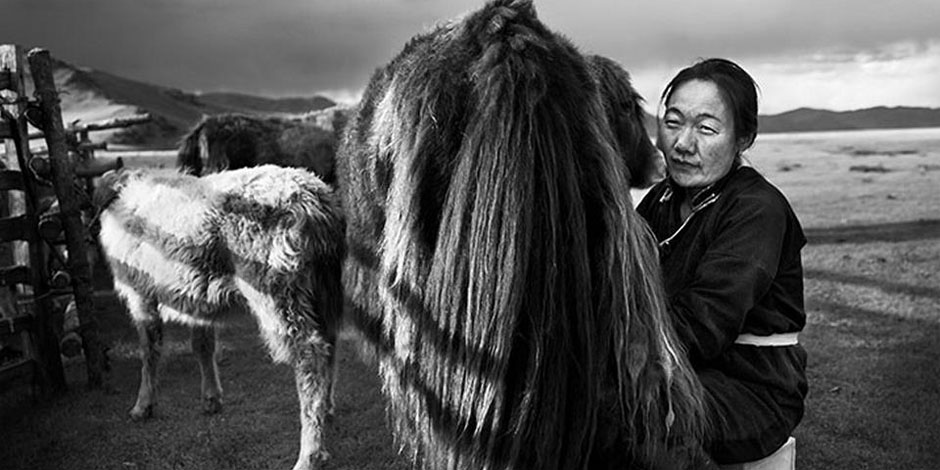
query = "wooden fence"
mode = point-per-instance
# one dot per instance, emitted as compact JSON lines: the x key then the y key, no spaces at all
{"x":31,"y":179}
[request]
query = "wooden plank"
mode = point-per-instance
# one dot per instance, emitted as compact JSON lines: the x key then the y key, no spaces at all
{"x":15,"y":325}
{"x":44,"y":344}
{"x":15,"y":228}
{"x":63,"y":179}
{"x":13,"y":62}
{"x":6,"y":79}
{"x":97,"y":166}
{"x":92,"y":146}
{"x":11,"y":65}
{"x":11,"y":180}
{"x":115,"y":123}
{"x":10,"y":275}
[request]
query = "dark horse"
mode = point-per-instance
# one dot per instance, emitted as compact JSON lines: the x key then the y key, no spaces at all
{"x":495,"y":264}
{"x":231,"y":141}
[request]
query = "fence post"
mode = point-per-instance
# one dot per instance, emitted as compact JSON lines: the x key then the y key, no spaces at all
{"x":11,"y":63}
{"x":51,"y":374}
{"x":63,"y":177}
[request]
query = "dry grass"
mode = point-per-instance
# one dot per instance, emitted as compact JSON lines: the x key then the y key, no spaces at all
{"x":825,"y":193}
{"x":873,"y":307}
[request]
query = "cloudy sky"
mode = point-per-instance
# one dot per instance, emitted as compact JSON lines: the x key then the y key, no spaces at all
{"x":835,"y":54}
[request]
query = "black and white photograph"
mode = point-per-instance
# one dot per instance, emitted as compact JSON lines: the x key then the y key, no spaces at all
{"x":469,"y":235}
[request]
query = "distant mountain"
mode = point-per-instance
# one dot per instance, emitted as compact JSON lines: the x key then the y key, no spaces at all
{"x":265,"y":105}
{"x":812,"y":120}
{"x":809,"y":120}
{"x":92,"y":95}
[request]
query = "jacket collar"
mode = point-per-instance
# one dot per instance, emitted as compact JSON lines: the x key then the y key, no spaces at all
{"x":703,"y":197}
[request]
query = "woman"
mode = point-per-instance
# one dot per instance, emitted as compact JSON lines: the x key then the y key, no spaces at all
{"x":730,"y":252}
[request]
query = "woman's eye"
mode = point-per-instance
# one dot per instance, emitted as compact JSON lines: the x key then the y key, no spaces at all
{"x":671,"y":123}
{"x":708,"y":130}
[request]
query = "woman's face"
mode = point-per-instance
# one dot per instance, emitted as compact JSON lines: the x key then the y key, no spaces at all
{"x":696,"y":135}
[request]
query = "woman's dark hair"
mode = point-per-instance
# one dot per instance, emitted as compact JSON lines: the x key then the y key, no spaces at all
{"x":736,"y":86}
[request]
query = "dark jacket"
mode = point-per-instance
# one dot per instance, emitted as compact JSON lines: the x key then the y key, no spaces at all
{"x":735,"y":268}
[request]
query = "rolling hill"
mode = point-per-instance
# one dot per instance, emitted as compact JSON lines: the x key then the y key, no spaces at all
{"x":818,"y":120}
{"x":808,"y":119}
{"x":91,"y":95}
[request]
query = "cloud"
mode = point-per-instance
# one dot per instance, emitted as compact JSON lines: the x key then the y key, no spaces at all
{"x":299,"y":47}
{"x":899,"y":74}
{"x":640,"y":33}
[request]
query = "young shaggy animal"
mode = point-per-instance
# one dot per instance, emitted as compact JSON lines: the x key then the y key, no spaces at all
{"x":266,"y":239}
{"x":232,"y":141}
{"x":496,"y":266}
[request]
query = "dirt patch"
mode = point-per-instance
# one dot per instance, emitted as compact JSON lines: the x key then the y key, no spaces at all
{"x":867,"y":152}
{"x":891,"y":232}
{"x":870,"y":168}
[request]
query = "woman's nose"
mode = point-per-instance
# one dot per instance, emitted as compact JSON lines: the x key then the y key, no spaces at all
{"x":685,"y":141}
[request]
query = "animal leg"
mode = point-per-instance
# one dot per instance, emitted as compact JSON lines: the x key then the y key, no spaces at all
{"x":311,"y":354}
{"x":204,"y":347}
{"x":313,"y":370}
{"x":150,"y":331}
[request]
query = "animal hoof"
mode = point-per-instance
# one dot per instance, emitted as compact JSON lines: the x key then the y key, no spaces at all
{"x":315,"y":462}
{"x":211,"y":405}
{"x":140,"y":413}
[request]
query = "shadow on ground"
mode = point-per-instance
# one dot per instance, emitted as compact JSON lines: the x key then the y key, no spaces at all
{"x":874,"y":385}
{"x":889,"y":232}
{"x":259,"y":427}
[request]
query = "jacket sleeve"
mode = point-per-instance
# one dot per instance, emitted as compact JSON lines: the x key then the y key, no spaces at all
{"x":735,"y":271}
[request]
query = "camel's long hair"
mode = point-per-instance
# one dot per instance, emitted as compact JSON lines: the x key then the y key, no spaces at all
{"x":496,"y":264}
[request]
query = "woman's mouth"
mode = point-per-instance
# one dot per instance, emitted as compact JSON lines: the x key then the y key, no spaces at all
{"x":684,"y":164}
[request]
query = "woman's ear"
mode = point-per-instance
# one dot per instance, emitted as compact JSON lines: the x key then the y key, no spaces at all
{"x":745,"y":143}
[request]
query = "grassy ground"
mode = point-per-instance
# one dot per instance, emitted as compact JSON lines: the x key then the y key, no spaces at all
{"x":258,"y":428}
{"x":873,"y":306}
{"x":871,"y":209}
{"x":874,"y":356}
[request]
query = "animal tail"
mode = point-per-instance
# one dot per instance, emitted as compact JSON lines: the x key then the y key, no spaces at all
{"x":193,"y":150}
{"x":511,"y":275}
